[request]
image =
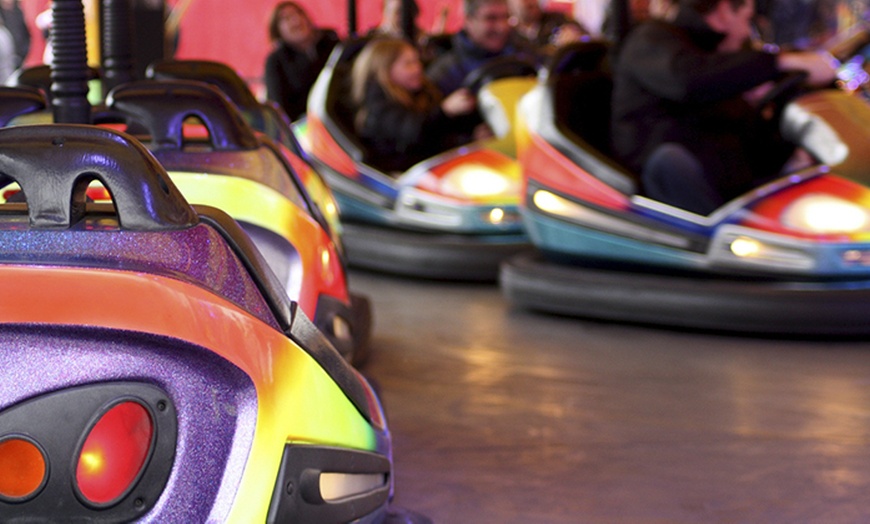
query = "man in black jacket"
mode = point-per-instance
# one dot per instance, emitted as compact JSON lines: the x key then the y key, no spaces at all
{"x":682,"y":113}
{"x":486,"y":34}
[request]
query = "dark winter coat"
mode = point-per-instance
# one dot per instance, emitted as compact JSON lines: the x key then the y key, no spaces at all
{"x":397,"y":137}
{"x":291,"y":73}
{"x":450,"y":69}
{"x":671,"y":85}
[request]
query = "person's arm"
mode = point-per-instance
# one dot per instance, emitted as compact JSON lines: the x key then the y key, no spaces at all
{"x":821,"y":68}
{"x":669,"y":65}
{"x":446,"y":73}
{"x":388,"y":122}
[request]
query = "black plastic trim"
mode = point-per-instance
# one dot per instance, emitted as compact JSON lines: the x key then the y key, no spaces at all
{"x":297,"y":496}
{"x":59,"y":422}
{"x":438,"y":256}
{"x":53,"y":164}
{"x":707,"y":302}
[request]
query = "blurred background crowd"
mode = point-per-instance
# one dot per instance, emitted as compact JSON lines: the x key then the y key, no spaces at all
{"x":238,"y":32}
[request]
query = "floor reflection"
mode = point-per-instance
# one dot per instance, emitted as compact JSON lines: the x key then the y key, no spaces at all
{"x":504,"y":416}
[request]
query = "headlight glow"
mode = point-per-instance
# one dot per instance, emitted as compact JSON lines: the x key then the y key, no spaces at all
{"x":550,"y":203}
{"x":744,"y":247}
{"x":768,"y":253}
{"x":496,"y":215}
{"x":826,"y":214}
{"x":476,"y":181}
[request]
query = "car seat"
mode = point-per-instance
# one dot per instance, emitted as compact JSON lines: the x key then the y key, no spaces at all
{"x":330,"y":98}
{"x":574,"y":111}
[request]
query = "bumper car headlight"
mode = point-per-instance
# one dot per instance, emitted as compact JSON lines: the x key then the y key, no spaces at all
{"x":763,"y":254}
{"x":554,"y":204}
{"x":477,"y":181}
{"x":825,"y":214}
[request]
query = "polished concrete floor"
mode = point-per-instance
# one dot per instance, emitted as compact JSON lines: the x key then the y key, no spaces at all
{"x":505,"y":416}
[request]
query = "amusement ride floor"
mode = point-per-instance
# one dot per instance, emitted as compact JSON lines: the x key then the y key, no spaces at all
{"x":504,"y":416}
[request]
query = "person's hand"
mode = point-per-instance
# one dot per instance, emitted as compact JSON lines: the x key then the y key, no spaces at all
{"x":821,"y":68}
{"x":459,"y":102}
{"x":482,"y":132}
{"x":567,"y":34}
{"x":758,"y":93}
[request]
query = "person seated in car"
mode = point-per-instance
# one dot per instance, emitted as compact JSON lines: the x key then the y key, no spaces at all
{"x":395,"y":25}
{"x":682,"y":113}
{"x":300,"y":52}
{"x":402,"y":118}
{"x":486,"y":34}
{"x":543,"y":29}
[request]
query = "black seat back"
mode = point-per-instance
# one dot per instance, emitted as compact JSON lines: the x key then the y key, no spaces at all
{"x":576,"y":111}
{"x":582,"y":87}
{"x":583,"y":102}
{"x":220,"y":75}
{"x":40,"y":77}
{"x":339,"y":109}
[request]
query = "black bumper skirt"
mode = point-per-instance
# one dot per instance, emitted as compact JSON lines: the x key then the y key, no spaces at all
{"x":708,"y":302}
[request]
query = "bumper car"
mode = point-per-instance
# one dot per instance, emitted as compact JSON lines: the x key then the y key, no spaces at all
{"x":267,"y":118}
{"x":790,"y":257}
{"x":154,"y":369}
{"x":226,"y":165}
{"x":452,"y":216}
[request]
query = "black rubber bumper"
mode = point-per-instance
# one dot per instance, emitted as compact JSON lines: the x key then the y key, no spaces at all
{"x":716,"y":303}
{"x":428,"y":255}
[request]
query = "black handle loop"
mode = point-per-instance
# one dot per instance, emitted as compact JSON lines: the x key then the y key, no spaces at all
{"x":54,"y":164}
{"x":162,"y":106}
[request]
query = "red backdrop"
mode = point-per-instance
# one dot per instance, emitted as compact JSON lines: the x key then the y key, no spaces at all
{"x":234,"y":31}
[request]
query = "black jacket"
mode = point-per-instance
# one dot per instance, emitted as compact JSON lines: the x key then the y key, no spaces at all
{"x":397,"y":137}
{"x":449,"y":70}
{"x":290,"y":74}
{"x":671,"y":85}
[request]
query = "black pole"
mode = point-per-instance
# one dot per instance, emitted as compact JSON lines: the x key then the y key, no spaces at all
{"x":409,"y":20}
{"x":116,"y":31}
{"x":351,"y":18}
{"x":620,"y":16}
{"x":69,"y":67}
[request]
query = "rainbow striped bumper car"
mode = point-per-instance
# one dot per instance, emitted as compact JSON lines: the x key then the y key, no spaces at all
{"x":154,"y":369}
{"x":222,"y":162}
{"x":267,"y":118}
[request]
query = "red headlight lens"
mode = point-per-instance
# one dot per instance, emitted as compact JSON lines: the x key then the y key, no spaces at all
{"x":114,"y":453}
{"x":22,"y":468}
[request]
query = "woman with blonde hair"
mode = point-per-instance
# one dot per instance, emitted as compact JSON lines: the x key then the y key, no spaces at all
{"x":397,"y":105}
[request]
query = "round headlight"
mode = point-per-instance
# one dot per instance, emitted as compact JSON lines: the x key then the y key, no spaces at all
{"x":476,"y":181}
{"x":826,"y":214}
